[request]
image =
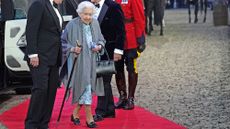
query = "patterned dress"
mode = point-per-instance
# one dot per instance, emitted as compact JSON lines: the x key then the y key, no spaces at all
{"x":86,"y":97}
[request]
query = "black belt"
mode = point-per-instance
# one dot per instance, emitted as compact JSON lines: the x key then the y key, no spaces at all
{"x":129,"y":20}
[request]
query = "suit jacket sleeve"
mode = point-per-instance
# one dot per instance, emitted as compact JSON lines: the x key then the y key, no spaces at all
{"x":119,"y":25}
{"x":33,"y":24}
{"x":139,"y":18}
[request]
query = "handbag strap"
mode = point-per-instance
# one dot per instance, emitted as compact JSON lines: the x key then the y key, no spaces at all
{"x":106,"y":52}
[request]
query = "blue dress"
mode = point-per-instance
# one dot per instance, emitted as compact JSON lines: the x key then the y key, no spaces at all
{"x":86,"y":97}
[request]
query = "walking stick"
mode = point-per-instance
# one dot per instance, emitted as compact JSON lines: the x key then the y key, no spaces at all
{"x":68,"y":84}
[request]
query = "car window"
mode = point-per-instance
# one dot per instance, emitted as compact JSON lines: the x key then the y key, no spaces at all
{"x":21,"y":8}
{"x":19,"y":13}
{"x":22,"y":4}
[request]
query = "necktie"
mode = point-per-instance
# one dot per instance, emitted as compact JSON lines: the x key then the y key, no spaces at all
{"x":97,"y":5}
{"x":55,"y":5}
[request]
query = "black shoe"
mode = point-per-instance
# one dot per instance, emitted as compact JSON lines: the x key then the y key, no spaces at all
{"x":130,"y":104}
{"x":91,"y":125}
{"x":43,"y":127}
{"x":97,"y":117}
{"x":111,"y":115}
{"x":120,"y":104}
{"x":76,"y":121}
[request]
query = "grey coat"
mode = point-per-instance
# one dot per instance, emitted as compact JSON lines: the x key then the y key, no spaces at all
{"x":85,"y":68}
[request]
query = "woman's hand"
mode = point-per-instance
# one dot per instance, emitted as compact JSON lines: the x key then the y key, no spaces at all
{"x":76,"y":50}
{"x":97,"y":48}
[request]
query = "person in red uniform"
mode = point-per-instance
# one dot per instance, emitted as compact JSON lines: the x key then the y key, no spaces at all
{"x":134,"y":45}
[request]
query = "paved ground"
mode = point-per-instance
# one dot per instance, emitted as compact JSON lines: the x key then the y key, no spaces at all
{"x":184,"y":75}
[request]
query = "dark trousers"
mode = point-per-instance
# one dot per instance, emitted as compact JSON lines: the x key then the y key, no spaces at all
{"x":130,"y":60}
{"x":45,"y":83}
{"x":105,"y":104}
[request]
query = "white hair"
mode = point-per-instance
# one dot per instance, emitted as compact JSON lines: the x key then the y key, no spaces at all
{"x":85,"y":4}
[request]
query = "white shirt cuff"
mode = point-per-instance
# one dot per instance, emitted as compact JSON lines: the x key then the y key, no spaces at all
{"x":118,"y":51}
{"x":33,"y":55}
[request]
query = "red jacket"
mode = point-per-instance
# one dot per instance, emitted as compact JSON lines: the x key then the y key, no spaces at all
{"x":134,"y":21}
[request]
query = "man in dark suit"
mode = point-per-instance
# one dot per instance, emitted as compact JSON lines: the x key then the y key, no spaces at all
{"x":110,"y":17}
{"x":43,"y":32}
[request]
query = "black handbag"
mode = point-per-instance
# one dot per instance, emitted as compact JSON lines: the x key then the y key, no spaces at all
{"x":104,"y":67}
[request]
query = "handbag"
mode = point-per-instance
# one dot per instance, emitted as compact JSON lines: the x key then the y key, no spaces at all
{"x":104,"y":67}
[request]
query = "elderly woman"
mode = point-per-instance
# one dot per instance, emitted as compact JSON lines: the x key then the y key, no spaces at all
{"x":82,"y":37}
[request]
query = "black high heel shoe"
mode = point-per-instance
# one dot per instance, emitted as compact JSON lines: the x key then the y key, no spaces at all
{"x":76,"y":121}
{"x":91,"y":124}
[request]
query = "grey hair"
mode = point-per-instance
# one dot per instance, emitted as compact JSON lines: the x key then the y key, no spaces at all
{"x":85,"y":4}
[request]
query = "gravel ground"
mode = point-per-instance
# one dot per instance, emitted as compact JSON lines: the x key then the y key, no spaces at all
{"x":184,"y":76}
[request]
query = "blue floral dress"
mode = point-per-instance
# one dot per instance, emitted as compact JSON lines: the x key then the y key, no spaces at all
{"x":86,"y":97}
